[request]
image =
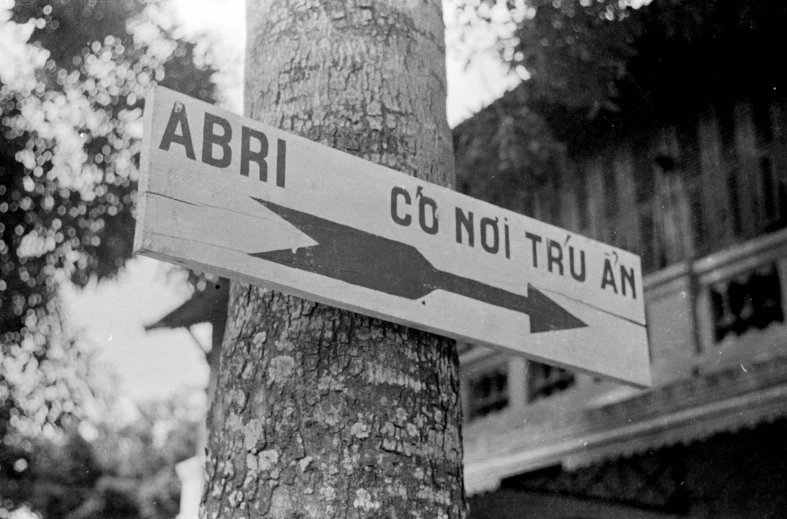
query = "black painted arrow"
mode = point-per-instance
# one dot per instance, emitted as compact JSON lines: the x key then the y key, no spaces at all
{"x":367,"y":260}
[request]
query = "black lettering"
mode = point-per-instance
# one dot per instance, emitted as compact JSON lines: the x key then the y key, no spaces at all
{"x":423,"y":202}
{"x":535,"y":239}
{"x":247,"y":156}
{"x":581,"y":275}
{"x":487,"y":223}
{"x":281,"y":161}
{"x":507,"y":240}
{"x":211,"y":139}
{"x":608,"y":278}
{"x":467,"y":223}
{"x":178,"y":118}
{"x":555,"y":256}
{"x":627,"y":276}
{"x":401,"y":220}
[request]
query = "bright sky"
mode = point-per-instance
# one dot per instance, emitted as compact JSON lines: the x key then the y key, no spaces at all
{"x":155,"y":364}
{"x":112,"y":314}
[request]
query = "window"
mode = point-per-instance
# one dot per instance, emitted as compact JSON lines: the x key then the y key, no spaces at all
{"x":644,"y":176}
{"x":698,"y":230}
{"x":652,"y":250}
{"x":544,"y":380}
{"x":582,"y":202}
{"x":610,"y":189}
{"x":763,"y":127}
{"x":767,"y":180}
{"x":689,"y":146}
{"x":729,"y":151}
{"x":771,"y":185}
{"x":691,"y":169}
{"x":488,"y":391}
{"x":749,"y":300}
{"x":735,"y":201}
{"x":727,"y":133}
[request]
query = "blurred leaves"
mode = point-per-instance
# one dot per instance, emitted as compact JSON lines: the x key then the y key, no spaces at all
{"x":70,"y":147}
{"x":72,"y":86}
{"x":572,"y":51}
{"x":597,"y":54}
{"x":47,"y":380}
{"x":125,"y":469}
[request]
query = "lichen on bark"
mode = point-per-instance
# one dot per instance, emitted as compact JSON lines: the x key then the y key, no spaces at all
{"x":320,"y":412}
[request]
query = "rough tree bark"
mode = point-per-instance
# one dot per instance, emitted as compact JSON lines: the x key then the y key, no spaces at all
{"x":320,"y":412}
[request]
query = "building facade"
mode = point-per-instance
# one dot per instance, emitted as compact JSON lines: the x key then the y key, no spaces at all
{"x":704,"y":202}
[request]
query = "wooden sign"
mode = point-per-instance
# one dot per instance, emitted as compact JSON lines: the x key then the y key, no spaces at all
{"x":226,"y":194}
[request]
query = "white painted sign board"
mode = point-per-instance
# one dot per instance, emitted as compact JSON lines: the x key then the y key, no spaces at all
{"x":225,"y":194}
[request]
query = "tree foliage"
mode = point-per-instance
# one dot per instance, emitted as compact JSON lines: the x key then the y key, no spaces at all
{"x":604,"y":54}
{"x":125,"y":470}
{"x":512,"y":138}
{"x":69,"y":147}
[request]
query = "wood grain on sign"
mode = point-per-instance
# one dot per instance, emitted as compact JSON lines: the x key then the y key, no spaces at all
{"x":225,"y":194}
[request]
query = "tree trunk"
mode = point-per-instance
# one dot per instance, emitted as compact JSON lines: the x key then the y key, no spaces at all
{"x":320,"y":412}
